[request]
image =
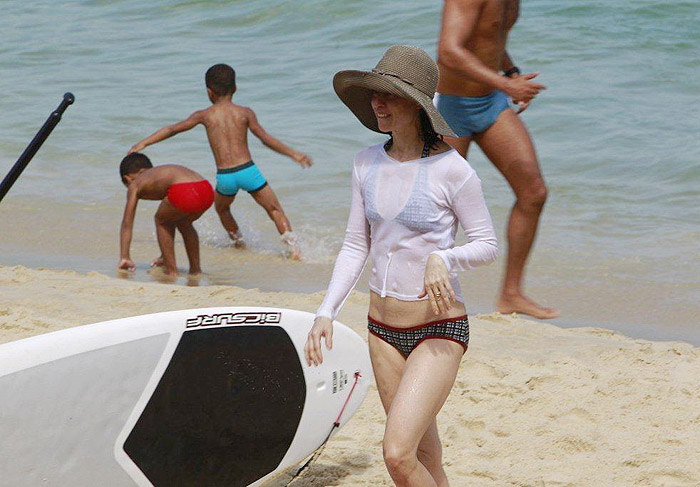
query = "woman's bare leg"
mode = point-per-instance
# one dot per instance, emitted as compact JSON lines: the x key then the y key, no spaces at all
{"x":412,"y":392}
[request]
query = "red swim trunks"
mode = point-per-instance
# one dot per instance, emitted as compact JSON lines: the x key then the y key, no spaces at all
{"x":194,"y":197}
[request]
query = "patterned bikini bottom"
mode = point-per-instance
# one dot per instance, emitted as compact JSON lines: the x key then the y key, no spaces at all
{"x":405,"y":340}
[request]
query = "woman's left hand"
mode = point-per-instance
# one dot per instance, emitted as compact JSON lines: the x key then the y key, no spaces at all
{"x":437,"y":285}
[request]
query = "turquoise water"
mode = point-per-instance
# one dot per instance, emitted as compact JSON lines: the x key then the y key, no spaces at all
{"x":616,"y":133}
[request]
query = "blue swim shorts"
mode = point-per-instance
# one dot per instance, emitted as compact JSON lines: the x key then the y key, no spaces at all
{"x":468,"y":115}
{"x":246,"y":176}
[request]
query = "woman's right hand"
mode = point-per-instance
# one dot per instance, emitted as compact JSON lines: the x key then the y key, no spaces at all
{"x":323,"y":327}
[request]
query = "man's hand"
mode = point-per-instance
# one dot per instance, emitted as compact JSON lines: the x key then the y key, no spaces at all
{"x":522,"y":104}
{"x":136,"y":148}
{"x":126,"y":264}
{"x":522,"y":90}
{"x":302,"y":159}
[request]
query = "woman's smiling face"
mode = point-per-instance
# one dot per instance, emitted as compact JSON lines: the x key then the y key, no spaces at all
{"x":393,"y":112}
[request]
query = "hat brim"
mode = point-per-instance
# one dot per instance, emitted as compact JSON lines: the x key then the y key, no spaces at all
{"x":355,"y":89}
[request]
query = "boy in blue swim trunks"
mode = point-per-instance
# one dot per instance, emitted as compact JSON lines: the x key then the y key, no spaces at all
{"x":227,"y":126}
{"x":474,"y":100}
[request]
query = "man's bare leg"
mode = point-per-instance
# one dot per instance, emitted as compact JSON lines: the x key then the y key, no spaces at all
{"x":222,"y":204}
{"x":189,"y":235}
{"x":166,"y":218}
{"x":461,"y":145}
{"x":268,"y":200}
{"x":508,"y":145}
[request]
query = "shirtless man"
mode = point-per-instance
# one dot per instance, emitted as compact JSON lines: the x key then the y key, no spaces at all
{"x":474,"y":99}
{"x":227,"y":126}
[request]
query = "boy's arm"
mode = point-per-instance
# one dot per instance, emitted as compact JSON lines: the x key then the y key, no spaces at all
{"x":273,"y":143}
{"x":127,"y":229}
{"x":169,"y":130}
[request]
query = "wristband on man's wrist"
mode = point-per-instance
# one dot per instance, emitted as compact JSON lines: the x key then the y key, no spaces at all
{"x":511,"y":71}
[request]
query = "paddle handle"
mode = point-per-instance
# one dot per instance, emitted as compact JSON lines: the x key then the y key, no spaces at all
{"x":35,"y":144}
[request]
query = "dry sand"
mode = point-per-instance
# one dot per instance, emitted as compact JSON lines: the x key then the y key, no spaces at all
{"x":533,"y":404}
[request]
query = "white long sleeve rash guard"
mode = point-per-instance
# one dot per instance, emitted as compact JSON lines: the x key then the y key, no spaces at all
{"x":400,"y":213}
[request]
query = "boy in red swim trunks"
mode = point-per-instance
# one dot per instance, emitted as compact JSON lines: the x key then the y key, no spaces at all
{"x":227,"y":126}
{"x":185,"y":197}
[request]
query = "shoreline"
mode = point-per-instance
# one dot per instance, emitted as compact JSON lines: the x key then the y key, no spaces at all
{"x":533,"y":403}
{"x":254,"y":269}
{"x":639,"y":296}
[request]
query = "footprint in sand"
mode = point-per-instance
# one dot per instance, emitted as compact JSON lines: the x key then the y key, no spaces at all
{"x":538,"y":382}
{"x":576,"y":414}
{"x":477,"y":475}
{"x":670,"y":478}
{"x":574,"y":444}
{"x":474,"y":426}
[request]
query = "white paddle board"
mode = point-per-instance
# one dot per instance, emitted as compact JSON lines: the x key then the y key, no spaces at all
{"x":205,"y":397}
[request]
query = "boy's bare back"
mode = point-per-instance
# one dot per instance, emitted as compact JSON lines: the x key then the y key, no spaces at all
{"x":227,"y":130}
{"x":227,"y":126}
{"x":153,"y":184}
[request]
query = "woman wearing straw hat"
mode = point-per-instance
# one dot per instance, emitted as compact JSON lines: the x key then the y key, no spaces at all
{"x":408,"y":196}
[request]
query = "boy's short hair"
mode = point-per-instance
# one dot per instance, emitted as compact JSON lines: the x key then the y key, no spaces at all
{"x":221,"y":79}
{"x":134,"y":163}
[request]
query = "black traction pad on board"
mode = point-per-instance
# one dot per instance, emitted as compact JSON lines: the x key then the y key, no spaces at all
{"x":225,"y":411}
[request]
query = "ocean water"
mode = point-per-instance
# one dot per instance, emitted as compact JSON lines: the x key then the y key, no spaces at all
{"x":616,"y":133}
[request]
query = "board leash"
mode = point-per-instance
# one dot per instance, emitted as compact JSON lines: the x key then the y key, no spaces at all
{"x":336,"y":424}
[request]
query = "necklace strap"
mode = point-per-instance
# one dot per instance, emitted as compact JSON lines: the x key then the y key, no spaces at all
{"x":426,"y":149}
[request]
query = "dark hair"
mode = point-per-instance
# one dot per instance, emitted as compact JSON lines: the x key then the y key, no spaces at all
{"x":134,"y":163}
{"x":427,"y":132}
{"x":221,"y":79}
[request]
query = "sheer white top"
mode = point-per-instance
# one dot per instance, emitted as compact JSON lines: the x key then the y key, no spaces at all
{"x":400,"y":213}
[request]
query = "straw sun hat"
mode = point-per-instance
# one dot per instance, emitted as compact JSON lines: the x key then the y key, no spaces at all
{"x":405,"y":71}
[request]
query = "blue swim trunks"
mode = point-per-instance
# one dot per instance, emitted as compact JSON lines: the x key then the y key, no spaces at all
{"x":246,"y":176}
{"x":468,"y":115}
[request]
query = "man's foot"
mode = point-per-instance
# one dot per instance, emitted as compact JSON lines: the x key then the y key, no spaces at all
{"x":157,"y":262}
{"x":520,"y":304}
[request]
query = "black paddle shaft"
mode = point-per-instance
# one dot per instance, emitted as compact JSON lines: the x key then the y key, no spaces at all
{"x":35,"y":144}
